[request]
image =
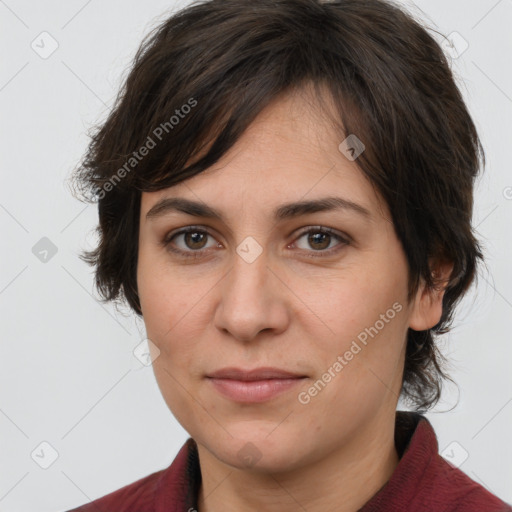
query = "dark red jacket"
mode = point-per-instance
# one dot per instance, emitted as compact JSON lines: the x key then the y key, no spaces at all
{"x":423,"y":481}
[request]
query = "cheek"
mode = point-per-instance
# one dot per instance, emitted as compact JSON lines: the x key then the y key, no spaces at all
{"x":168,"y":308}
{"x":161,"y":297}
{"x":348,"y":303}
{"x":174,"y":315}
{"x":365,"y":311}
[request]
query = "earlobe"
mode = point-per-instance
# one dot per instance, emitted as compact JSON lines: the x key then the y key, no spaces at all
{"x":428,"y":303}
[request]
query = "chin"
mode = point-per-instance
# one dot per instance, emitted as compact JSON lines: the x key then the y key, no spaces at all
{"x":256,"y":450}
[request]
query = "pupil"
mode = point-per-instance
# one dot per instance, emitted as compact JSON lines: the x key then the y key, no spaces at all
{"x":195,"y":237}
{"x":318,"y":237}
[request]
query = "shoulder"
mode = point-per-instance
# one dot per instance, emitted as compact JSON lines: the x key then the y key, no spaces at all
{"x":139,"y":494}
{"x":452,"y":490}
{"x":151,"y":493}
{"x":424,"y":480}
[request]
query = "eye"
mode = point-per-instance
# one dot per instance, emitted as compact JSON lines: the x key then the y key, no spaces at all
{"x":192,"y":242}
{"x":320,"y":240}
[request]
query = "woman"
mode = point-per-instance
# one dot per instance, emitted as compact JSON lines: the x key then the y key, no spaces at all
{"x":285,"y":193}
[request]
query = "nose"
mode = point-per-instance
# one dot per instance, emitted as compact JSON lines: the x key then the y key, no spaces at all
{"x":252,"y":299}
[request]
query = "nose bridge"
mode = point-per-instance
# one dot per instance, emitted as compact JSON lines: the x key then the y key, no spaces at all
{"x":248,"y":302}
{"x":249,"y":275}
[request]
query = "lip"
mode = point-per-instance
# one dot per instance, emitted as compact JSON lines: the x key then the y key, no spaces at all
{"x":262,"y":373}
{"x":253,"y":386}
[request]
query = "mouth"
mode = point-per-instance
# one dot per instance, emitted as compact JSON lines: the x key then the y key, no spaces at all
{"x":254,"y":386}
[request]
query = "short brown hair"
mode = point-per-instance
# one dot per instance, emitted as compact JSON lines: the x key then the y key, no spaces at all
{"x":226,"y":60}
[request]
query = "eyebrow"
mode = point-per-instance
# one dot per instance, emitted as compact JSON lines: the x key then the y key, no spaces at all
{"x":284,"y":211}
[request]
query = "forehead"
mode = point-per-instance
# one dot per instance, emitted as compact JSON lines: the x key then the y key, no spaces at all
{"x":290,"y":152}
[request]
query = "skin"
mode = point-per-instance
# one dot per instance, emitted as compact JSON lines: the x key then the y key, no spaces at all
{"x":284,"y":309}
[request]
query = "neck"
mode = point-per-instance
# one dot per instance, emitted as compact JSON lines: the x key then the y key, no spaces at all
{"x":344,"y":481}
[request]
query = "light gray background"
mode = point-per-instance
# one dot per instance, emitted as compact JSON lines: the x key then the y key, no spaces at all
{"x":68,"y":375}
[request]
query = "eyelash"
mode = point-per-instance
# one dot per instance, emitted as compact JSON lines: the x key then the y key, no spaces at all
{"x":166,"y":242}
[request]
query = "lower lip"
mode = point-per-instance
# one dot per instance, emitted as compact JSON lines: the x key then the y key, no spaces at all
{"x":254,"y":391}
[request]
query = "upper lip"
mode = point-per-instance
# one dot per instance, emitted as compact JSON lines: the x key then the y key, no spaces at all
{"x":254,"y":374}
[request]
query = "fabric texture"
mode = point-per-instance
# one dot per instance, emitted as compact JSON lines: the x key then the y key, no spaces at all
{"x":423,"y":481}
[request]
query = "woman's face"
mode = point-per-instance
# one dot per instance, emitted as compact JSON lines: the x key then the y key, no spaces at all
{"x":250,"y":289}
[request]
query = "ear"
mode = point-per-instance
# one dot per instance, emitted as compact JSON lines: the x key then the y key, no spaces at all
{"x":428,"y":303}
